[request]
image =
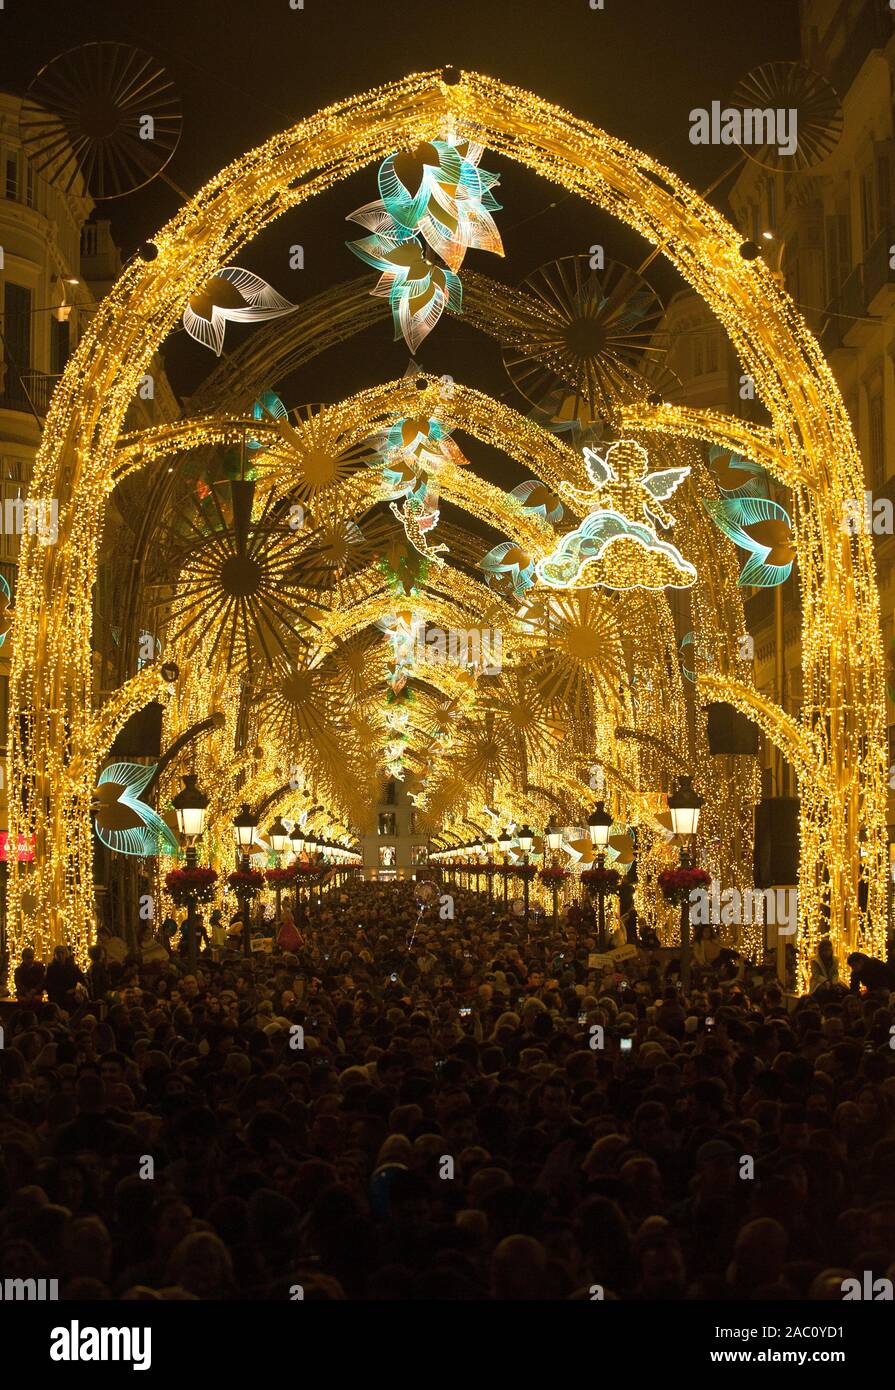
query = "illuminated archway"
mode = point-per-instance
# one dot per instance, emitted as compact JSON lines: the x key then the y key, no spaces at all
{"x":843,"y":716}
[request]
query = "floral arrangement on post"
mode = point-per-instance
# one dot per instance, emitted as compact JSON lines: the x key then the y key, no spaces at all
{"x":677,"y":884}
{"x":553,"y":873}
{"x":246,"y":882}
{"x":191,"y":885}
{"x":524,"y":870}
{"x":599,"y":876}
{"x":280,"y":876}
{"x":303,"y":868}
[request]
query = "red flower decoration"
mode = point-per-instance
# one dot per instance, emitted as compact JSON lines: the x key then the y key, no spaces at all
{"x":609,"y":878}
{"x":247,"y":882}
{"x":553,"y":873}
{"x":186,"y":885}
{"x":280,"y":876}
{"x":677,"y":884}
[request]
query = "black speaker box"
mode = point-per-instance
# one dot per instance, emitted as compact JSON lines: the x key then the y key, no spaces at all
{"x":141,"y":736}
{"x":777,"y":841}
{"x":729,"y":731}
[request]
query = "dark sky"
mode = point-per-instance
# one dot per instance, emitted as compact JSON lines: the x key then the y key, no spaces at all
{"x":247,"y":68}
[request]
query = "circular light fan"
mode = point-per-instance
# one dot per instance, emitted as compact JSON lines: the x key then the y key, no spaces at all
{"x":584,"y":332}
{"x":792,"y":86}
{"x":105,"y":111}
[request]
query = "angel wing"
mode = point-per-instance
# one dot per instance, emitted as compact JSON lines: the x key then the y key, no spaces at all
{"x":598,"y":470}
{"x":662,"y":485}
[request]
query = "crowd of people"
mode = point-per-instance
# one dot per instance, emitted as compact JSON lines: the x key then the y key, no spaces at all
{"x":428,"y":1097}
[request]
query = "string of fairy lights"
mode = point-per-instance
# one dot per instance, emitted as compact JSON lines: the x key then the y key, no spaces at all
{"x":56,"y":741}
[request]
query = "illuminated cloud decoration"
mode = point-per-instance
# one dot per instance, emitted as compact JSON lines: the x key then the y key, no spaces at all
{"x":434,"y":199}
{"x":764,"y":529}
{"x":232,"y":295}
{"x":124,"y":823}
{"x":609,"y":548}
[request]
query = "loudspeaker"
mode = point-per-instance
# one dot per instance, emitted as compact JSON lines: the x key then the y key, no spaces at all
{"x":777,"y":841}
{"x":729,"y":731}
{"x":141,"y":736}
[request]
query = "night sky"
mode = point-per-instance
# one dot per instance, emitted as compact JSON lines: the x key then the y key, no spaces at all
{"x":247,"y":68}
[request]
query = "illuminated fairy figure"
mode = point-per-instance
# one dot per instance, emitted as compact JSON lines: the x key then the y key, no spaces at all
{"x":612,"y":546}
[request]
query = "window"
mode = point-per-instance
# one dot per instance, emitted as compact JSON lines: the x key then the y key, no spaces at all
{"x":17,"y":332}
{"x":876,"y":437}
{"x":387,"y":823}
{"x":390,"y":792}
{"x":386,"y":856}
{"x":771,"y":192}
{"x":868,"y":209}
{"x":698,"y":357}
{"x":711,"y":354}
{"x":838,"y":253}
{"x":418,"y":854}
{"x":29,"y":183}
{"x":60,"y":346}
{"x":12,"y":177}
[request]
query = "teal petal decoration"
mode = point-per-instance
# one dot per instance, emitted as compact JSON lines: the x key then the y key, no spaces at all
{"x":124,"y":823}
{"x":770,"y":546}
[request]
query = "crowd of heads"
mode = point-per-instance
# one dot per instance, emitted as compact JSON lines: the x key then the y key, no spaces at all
{"x":435,"y":1098}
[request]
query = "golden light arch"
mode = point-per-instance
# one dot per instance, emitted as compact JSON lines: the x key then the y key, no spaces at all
{"x":843,"y":834}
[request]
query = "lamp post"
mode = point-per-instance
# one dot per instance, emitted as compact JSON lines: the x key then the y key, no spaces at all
{"x":477,"y":862}
{"x":504,"y":840}
{"x":553,"y":835}
{"x":297,"y":841}
{"x":245,"y":825}
{"x":190,"y":805}
{"x":490,"y":846}
{"x":599,"y":824}
{"x":685,"y":806}
{"x":279,"y":839}
{"x":526,"y":839}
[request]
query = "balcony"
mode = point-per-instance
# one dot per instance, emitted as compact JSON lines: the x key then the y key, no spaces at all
{"x":879,"y":277}
{"x":871,"y":29}
{"x":15,"y":393}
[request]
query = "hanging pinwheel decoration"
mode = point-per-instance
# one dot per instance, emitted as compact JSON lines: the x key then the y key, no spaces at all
{"x":435,"y":204}
{"x":509,"y":569}
{"x":764,"y":529}
{"x":735,"y":476}
{"x":6,"y":610}
{"x":124,"y":823}
{"x":233,"y":295}
{"x":536,"y":499}
{"x":268,"y":407}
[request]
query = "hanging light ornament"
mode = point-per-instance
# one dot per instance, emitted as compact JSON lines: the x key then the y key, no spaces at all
{"x":764,"y":529}
{"x":436,"y":203}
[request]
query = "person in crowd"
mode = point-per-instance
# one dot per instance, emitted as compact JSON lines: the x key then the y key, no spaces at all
{"x":63,"y":977}
{"x":299,"y":1105}
{"x":869,"y":973}
{"x":824,"y":967}
{"x":29,"y":977}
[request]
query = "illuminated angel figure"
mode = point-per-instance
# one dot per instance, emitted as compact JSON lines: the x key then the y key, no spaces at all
{"x":232,"y":295}
{"x":622,"y":480}
{"x":417,"y":289}
{"x":416,"y":524}
{"x":125,"y":823}
{"x":609,"y":548}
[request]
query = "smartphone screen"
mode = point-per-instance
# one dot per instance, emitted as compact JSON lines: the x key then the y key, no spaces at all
{"x":627,"y":1044}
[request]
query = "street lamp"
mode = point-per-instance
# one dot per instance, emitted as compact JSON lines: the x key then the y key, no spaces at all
{"x":191,"y":804}
{"x":504,"y":840}
{"x":297,"y":840}
{"x":245,"y":825}
{"x":490,"y":846}
{"x":599,"y":825}
{"x":279,"y":839}
{"x":685,"y":806}
{"x":526,"y":838}
{"x":553,"y":836}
